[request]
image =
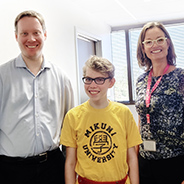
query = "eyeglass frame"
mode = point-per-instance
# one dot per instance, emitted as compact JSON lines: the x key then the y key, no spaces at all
{"x":156,"y":41}
{"x":94,"y":79}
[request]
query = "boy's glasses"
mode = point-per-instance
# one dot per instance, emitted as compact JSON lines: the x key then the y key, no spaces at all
{"x":159,"y":41}
{"x":98,"y":80}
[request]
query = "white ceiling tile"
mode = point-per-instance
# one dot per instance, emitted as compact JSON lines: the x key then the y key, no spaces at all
{"x":126,"y":12}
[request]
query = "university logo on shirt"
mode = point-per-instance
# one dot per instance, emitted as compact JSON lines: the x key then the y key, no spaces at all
{"x":100,"y":147}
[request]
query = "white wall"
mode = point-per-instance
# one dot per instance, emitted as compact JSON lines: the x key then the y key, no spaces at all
{"x":61,"y":21}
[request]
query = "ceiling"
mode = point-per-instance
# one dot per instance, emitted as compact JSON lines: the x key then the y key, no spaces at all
{"x":127,"y":12}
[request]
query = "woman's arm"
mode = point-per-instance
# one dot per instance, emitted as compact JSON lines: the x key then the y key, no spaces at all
{"x":133,"y":165}
{"x":71,"y":158}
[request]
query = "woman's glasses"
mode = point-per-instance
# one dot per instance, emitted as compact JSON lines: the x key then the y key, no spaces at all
{"x":159,"y":41}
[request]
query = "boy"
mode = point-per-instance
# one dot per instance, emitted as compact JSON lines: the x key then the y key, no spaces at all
{"x":100,"y":135}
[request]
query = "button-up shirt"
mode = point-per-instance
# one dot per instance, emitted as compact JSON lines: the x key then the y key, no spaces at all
{"x":32,"y":107}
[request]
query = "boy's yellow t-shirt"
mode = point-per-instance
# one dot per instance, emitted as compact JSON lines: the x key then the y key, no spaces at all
{"x":102,"y":137}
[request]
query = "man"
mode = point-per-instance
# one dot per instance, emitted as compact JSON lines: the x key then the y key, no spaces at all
{"x":34,"y":97}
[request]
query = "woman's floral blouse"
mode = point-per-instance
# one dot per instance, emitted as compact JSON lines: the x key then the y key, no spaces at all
{"x":166,"y":114}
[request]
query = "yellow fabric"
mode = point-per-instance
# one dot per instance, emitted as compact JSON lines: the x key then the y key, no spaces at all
{"x":102,"y":137}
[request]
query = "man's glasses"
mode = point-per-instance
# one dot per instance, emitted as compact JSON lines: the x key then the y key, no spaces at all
{"x":159,"y":41}
{"x":98,"y":80}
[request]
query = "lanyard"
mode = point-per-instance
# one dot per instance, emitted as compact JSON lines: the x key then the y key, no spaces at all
{"x":148,"y":93}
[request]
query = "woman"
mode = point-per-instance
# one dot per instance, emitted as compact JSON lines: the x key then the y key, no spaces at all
{"x":160,"y":105}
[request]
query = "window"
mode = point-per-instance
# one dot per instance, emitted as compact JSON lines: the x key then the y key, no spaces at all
{"x":124,"y":48}
{"x":120,"y":63}
{"x":136,"y":71}
{"x":177,"y":35}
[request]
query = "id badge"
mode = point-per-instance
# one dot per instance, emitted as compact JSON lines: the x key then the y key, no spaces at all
{"x":149,"y":145}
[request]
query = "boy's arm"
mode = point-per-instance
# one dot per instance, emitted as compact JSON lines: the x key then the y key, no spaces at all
{"x":71,"y":158}
{"x":133,"y":165}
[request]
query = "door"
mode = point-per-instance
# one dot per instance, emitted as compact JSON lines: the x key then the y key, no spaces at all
{"x":86,"y":47}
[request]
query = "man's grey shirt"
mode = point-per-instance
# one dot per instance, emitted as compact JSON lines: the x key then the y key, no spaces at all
{"x":32,"y":108}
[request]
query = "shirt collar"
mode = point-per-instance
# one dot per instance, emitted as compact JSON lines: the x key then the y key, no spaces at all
{"x":19,"y":63}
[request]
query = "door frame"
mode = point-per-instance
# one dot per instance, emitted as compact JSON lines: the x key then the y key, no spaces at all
{"x":98,"y":49}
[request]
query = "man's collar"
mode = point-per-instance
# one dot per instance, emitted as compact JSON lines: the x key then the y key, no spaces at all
{"x":19,"y":63}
